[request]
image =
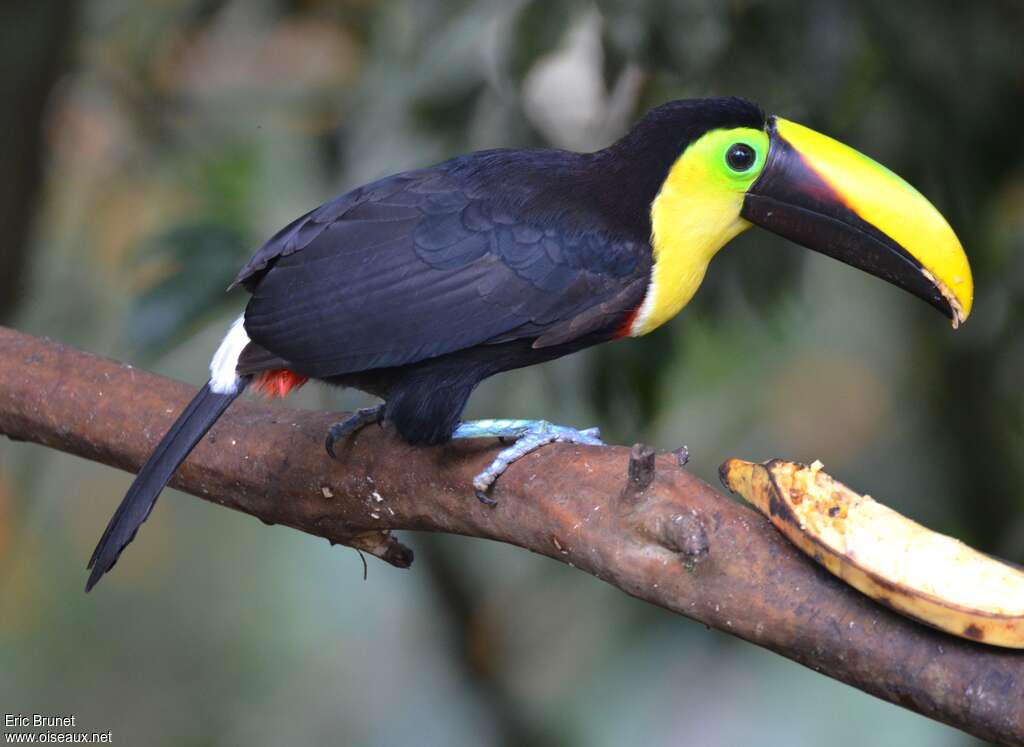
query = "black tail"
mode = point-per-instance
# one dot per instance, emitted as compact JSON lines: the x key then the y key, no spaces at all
{"x":202,"y":412}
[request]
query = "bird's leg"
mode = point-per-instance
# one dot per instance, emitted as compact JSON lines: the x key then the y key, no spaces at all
{"x":529,"y":436}
{"x":355,"y":421}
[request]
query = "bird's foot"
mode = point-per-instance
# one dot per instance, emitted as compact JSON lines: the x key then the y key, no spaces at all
{"x":529,"y":436}
{"x":355,"y":421}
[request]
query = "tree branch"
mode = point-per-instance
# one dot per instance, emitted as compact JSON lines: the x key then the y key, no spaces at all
{"x":648,"y":528}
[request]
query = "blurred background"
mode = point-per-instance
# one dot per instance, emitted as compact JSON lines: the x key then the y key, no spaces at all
{"x":149,"y":147}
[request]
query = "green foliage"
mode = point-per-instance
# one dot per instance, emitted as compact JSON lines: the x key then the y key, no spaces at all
{"x":202,"y":260}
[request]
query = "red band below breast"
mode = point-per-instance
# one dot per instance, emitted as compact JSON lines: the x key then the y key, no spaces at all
{"x":626,"y":326}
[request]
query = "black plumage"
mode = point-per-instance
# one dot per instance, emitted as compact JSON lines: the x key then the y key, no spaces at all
{"x":427,"y":263}
{"x":420,"y":285}
{"x":193,"y":423}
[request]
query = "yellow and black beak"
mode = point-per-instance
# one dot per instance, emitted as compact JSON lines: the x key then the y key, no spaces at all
{"x":828,"y":197}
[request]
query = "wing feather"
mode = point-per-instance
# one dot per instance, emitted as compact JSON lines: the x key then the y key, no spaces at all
{"x":423,"y":264}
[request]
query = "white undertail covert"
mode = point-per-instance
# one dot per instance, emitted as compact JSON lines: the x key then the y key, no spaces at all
{"x":223,"y":378}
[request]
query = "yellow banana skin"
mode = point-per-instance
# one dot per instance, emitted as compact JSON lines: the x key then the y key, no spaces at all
{"x":917,"y":572}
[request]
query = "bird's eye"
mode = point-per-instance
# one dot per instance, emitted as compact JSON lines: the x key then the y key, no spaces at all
{"x":740,"y":157}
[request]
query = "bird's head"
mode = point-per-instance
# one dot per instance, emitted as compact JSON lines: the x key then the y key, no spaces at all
{"x":725,"y":167}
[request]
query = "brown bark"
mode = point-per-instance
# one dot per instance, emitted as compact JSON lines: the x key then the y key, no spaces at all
{"x":650,"y":528}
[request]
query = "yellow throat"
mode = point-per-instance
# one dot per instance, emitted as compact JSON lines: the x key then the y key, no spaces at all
{"x":696,"y":213}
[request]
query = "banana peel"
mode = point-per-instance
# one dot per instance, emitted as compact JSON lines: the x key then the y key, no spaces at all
{"x":919,"y":573}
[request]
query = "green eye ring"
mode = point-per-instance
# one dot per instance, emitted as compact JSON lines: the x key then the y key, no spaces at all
{"x":733,"y":158}
{"x":740,"y":157}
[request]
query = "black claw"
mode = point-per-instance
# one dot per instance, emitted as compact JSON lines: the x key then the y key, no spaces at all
{"x":338,"y":431}
{"x":351,"y":424}
{"x":329,"y":443}
{"x":485,"y":499}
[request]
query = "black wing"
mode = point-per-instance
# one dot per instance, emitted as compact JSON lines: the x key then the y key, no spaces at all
{"x":424,"y":263}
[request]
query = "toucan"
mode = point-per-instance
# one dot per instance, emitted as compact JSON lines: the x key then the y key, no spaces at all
{"x":417,"y":287}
